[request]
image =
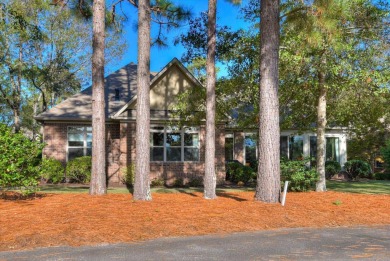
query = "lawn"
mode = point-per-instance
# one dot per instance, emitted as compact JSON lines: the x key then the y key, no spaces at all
{"x":364,"y":187}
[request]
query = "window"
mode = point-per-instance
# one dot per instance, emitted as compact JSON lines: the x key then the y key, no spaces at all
{"x":283,"y":147}
{"x":229,"y":147}
{"x":250,"y":144}
{"x":332,"y":149}
{"x":313,"y":151}
{"x":79,"y":142}
{"x":296,"y":148}
{"x":174,"y":144}
{"x":117,"y":95}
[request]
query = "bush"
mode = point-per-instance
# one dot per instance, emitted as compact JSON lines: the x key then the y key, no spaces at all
{"x":332,"y":168}
{"x":129,"y":175}
{"x":382,"y":176}
{"x":238,"y":172}
{"x":157,"y":182}
{"x":52,"y":170}
{"x":79,"y":169}
{"x":195,"y":182}
{"x":357,"y":169}
{"x":386,"y":155}
{"x":301,"y":177}
{"x":19,"y":161}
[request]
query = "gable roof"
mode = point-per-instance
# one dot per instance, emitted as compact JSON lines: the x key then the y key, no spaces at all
{"x":156,"y":78}
{"x":124,"y":80}
{"x":79,"y":106}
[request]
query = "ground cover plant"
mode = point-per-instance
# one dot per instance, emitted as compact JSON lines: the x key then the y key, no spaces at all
{"x":79,"y":219}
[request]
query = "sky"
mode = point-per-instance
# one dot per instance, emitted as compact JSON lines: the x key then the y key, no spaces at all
{"x":227,"y":14}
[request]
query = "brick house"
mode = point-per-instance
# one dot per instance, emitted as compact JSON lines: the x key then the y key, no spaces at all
{"x":175,"y":152}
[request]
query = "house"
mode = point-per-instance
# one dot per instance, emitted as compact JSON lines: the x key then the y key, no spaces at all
{"x":175,"y":152}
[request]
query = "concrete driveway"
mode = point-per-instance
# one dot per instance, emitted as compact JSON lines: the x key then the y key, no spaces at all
{"x":342,"y":243}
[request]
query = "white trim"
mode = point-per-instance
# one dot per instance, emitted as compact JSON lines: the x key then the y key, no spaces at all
{"x":85,"y":143}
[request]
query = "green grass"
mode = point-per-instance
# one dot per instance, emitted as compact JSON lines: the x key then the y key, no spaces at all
{"x":362,"y":187}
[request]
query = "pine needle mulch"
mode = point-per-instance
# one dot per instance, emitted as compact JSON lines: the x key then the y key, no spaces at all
{"x":80,"y":219}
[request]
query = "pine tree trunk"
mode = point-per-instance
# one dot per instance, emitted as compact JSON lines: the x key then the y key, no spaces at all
{"x":210,"y":180}
{"x":16,"y":112}
{"x":98,"y":176}
{"x":142,"y":165}
{"x":321,"y":124}
{"x":268,"y":176}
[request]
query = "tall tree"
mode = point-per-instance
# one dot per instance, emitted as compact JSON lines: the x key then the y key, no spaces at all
{"x":142,"y":164}
{"x":168,"y":15}
{"x":337,"y":51}
{"x":210,"y":179}
{"x":98,"y":175}
{"x":268,"y":175}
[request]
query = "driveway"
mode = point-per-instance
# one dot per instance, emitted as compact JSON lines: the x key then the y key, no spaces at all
{"x":341,"y":243}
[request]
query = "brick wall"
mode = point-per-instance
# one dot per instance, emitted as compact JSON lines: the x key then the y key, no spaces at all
{"x":121,"y":152}
{"x":170,"y":171}
{"x":55,"y":136}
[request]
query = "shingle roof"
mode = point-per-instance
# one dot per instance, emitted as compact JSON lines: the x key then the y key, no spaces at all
{"x":79,"y":106}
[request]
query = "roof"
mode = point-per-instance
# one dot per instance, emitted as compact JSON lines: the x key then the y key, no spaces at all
{"x":79,"y":106}
{"x":124,"y":80}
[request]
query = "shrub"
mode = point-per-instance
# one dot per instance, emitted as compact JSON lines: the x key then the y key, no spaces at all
{"x":238,"y":172}
{"x":129,"y":174}
{"x":52,"y":170}
{"x":332,"y":168}
{"x":157,"y":182}
{"x":79,"y":169}
{"x":195,"y":182}
{"x":382,"y":176}
{"x":19,"y":161}
{"x":178,"y":183}
{"x":301,"y":177}
{"x":357,"y":169}
{"x":386,"y":155}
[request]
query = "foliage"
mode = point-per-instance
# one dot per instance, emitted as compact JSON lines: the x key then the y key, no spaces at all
{"x":19,"y":161}
{"x":382,"y":176}
{"x":357,"y":169}
{"x":128,"y":175}
{"x":79,"y":169}
{"x":366,"y":145}
{"x":386,"y":155}
{"x":157,"y":182}
{"x":301,"y":177}
{"x":195,"y":182}
{"x":52,"y":170}
{"x":45,"y":55}
{"x":332,"y":168}
{"x":237,"y":172}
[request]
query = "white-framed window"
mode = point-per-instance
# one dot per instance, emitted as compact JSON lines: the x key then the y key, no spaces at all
{"x":250,"y":148}
{"x":79,"y":142}
{"x":172,"y":144}
{"x":229,"y":147}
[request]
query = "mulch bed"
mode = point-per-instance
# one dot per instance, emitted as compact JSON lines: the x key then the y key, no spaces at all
{"x":80,"y":219}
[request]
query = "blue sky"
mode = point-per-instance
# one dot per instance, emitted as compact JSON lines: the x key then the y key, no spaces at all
{"x":227,"y":14}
